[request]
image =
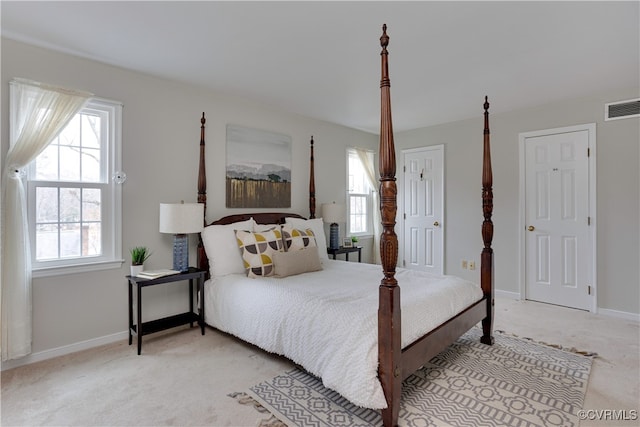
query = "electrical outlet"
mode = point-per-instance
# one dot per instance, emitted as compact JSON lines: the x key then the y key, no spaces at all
{"x":464,"y":264}
{"x":472,"y":265}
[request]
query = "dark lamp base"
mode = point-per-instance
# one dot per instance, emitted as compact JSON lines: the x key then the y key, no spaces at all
{"x":334,"y":236}
{"x":181,"y":252}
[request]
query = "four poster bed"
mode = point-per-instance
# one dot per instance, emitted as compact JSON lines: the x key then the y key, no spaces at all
{"x":325,"y":319}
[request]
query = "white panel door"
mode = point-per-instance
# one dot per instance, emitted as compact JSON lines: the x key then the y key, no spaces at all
{"x":423,"y":208}
{"x":557,"y":237}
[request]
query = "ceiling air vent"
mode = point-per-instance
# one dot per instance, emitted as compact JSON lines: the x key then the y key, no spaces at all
{"x":622,"y":109}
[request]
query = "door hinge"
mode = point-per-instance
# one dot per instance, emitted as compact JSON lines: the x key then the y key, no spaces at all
{"x":404,"y":168}
{"x":589,"y":289}
{"x":588,"y":152}
{"x":405,"y":216}
{"x":588,"y":220}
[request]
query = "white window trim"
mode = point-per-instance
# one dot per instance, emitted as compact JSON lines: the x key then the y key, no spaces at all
{"x":369,"y":231}
{"x":370,"y":206}
{"x":113,"y":259}
{"x":77,"y":268}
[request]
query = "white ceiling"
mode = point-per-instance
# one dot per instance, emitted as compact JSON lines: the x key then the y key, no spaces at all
{"x":321,"y":59}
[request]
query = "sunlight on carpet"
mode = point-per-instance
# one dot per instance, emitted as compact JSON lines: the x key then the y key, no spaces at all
{"x":514,"y":382}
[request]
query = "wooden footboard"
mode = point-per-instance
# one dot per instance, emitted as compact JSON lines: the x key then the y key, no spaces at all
{"x":424,"y":349}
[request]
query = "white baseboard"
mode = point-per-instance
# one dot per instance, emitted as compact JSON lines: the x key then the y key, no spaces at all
{"x":67,"y":349}
{"x":634,"y":317}
{"x":506,"y":294}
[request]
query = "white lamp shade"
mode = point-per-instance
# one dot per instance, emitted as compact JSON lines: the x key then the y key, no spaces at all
{"x":181,"y":218}
{"x":333,"y":213}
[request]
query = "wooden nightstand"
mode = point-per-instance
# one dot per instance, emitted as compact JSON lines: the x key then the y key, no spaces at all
{"x":144,"y":328}
{"x":346,"y":252}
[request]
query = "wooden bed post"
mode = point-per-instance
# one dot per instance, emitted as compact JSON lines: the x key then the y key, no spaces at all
{"x":202,"y":260}
{"x":389,"y":337}
{"x":312,"y":185}
{"x":486,"y":258}
{"x":202,"y":174}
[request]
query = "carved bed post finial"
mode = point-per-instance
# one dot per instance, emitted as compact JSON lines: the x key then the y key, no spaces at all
{"x":202,"y":174}
{"x":389,"y":334}
{"x":486,"y":258}
{"x":312,"y":185}
{"x":384,"y":38}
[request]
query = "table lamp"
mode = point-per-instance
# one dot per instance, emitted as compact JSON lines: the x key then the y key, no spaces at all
{"x":333,"y":213}
{"x":180,"y":219}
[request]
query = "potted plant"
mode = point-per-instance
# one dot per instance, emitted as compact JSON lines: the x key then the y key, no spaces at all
{"x":139,"y":255}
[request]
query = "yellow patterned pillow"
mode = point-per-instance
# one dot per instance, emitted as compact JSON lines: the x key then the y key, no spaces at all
{"x":295,"y":238}
{"x":257,"y":250}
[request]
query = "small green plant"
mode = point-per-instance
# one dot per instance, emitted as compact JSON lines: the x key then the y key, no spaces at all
{"x":354,"y":239}
{"x":139,"y":255}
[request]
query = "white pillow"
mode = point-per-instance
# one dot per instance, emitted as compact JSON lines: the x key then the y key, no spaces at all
{"x":317,"y":226}
{"x":222,"y":248}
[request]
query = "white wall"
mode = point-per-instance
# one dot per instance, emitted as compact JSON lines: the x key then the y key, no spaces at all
{"x":618,"y":190}
{"x":161,"y":135}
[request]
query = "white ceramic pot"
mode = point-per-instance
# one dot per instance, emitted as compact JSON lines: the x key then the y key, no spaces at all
{"x":136,"y":269}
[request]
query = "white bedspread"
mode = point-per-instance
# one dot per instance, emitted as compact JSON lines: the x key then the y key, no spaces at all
{"x":327,"y":321}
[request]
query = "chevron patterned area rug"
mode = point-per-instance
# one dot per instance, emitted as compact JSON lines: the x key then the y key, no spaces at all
{"x":515,"y":382}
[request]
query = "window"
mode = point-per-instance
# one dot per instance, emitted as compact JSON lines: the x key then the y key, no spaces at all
{"x":359,"y":194}
{"x":74,"y":205}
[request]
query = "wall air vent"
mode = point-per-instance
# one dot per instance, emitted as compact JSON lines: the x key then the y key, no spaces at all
{"x":622,"y":109}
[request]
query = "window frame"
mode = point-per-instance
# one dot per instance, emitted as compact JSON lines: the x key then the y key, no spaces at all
{"x":368,"y":197}
{"x":111,"y":203}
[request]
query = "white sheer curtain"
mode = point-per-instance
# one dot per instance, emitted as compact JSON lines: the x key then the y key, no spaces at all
{"x":370,"y":171}
{"x":38,"y":113}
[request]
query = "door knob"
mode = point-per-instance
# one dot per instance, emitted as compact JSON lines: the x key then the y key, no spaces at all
{"x":436,"y":224}
{"x":531,"y":228}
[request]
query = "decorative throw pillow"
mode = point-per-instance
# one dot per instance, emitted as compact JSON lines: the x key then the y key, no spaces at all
{"x":317,"y":226}
{"x":257,"y":250}
{"x":222,"y":250}
{"x":295,"y":238}
{"x":296,"y":262}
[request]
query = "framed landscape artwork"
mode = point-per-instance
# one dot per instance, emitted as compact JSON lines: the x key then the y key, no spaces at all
{"x":258,"y":173}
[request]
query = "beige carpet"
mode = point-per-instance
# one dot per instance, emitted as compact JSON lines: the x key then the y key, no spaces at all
{"x":184,"y":379}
